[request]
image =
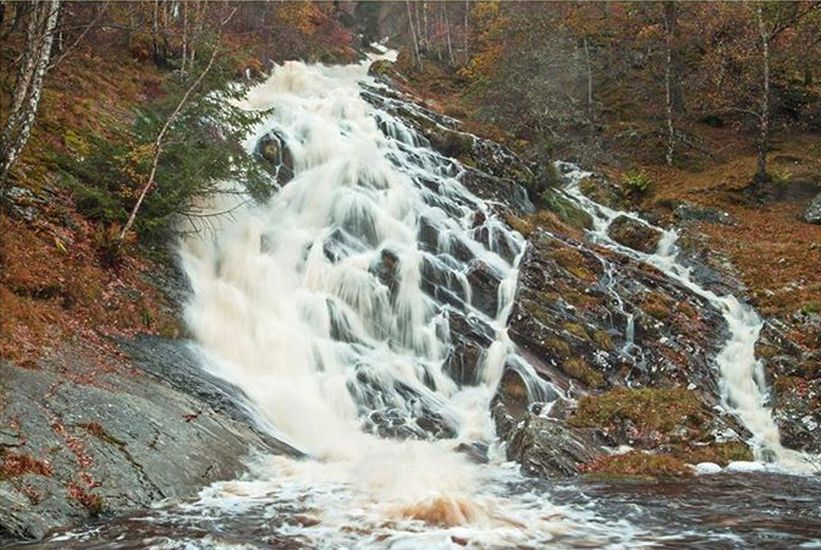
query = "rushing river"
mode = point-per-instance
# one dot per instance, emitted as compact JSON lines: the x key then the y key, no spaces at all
{"x":314,"y":305}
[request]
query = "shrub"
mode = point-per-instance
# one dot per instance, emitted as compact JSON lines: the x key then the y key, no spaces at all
{"x":636,"y":182}
{"x":200,"y":151}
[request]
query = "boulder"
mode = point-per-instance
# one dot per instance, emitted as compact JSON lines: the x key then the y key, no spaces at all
{"x":545,"y":447}
{"x":688,"y":213}
{"x":812,"y":214}
{"x":634,"y":234}
{"x":273,"y":152}
{"x":91,"y":439}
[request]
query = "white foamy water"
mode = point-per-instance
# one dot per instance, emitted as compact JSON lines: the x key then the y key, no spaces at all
{"x":742,"y":382}
{"x":314,"y":305}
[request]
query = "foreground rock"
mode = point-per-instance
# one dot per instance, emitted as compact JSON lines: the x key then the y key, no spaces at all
{"x":634,"y":234}
{"x":813,"y":212}
{"x":545,"y":447}
{"x":84,"y":436}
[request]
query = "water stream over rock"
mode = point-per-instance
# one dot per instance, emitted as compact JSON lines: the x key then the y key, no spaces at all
{"x":742,"y":383}
{"x":364,"y":311}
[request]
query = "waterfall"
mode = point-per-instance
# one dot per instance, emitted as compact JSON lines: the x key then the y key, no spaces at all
{"x":741,"y":376}
{"x":315,"y":305}
{"x":321,"y":305}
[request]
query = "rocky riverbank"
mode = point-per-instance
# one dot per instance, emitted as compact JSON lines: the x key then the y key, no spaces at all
{"x":631,"y":349}
{"x":82,"y":441}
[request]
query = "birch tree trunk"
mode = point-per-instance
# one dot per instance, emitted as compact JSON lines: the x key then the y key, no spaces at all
{"x":764,"y":115}
{"x":467,"y":31}
{"x":29,"y":86}
{"x":413,"y":33}
{"x":447,"y":31}
{"x":669,"y":23}
{"x":589,"y":66}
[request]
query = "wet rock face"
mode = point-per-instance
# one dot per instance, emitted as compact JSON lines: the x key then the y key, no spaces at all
{"x":812,"y":214}
{"x":484,"y":284}
{"x":110,"y":440}
{"x":793,"y":369}
{"x":571,"y":321}
{"x":470,"y":338}
{"x":491,"y":171}
{"x":545,"y":447}
{"x":275,"y":157}
{"x":634,"y":234}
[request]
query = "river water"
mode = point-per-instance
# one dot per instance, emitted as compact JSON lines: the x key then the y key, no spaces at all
{"x":314,"y":305}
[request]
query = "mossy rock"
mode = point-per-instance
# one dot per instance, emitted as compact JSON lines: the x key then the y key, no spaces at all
{"x":576,"y":330}
{"x":602,"y":192}
{"x":603,"y":340}
{"x":578,"y":368}
{"x":568,"y":212}
{"x":634,"y":234}
{"x":656,"y":306}
{"x":381,"y":67}
{"x":663,"y":410}
{"x":719,"y":453}
{"x":638,"y":464}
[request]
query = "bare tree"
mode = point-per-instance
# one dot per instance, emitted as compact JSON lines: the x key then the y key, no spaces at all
{"x":669,"y":30}
{"x":764,"y":115}
{"x":466,"y":32}
{"x":42,"y":20}
{"x":444,"y":7}
{"x":413,"y":33}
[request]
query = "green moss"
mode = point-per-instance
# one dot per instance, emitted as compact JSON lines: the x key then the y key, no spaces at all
{"x":655,"y":305}
{"x":811,"y":307}
{"x":576,"y":330}
{"x":719,"y":453}
{"x":559,"y":346}
{"x":639,"y":464}
{"x":568,"y":212}
{"x":519,"y":225}
{"x":603,"y":340}
{"x":578,"y":368}
{"x":573,"y":262}
{"x":765,"y":351}
{"x":663,"y":410}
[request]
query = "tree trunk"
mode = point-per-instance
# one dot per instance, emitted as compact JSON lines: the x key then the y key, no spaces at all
{"x":413,"y":33}
{"x":669,"y":23}
{"x":23,"y":109}
{"x":589,"y":67}
{"x":764,"y":116}
{"x":447,"y":31}
{"x":467,"y":31}
{"x":184,"y":8}
{"x":425,"y":32}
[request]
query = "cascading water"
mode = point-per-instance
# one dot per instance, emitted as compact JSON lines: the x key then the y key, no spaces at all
{"x":742,"y":381}
{"x":314,"y":305}
{"x":319,"y":305}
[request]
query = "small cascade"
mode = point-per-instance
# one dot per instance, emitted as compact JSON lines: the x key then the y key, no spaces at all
{"x":742,"y":382}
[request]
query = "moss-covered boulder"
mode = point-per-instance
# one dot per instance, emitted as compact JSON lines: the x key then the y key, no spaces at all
{"x":634,"y":234}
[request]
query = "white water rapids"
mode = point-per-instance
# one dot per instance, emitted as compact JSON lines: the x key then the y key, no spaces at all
{"x":313,"y":304}
{"x":288,"y":305}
